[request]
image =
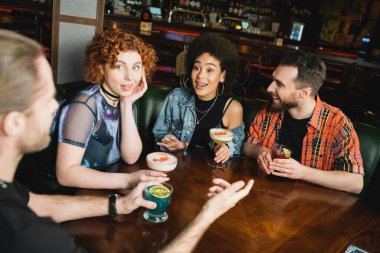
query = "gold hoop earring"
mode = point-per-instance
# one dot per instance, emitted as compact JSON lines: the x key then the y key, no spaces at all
{"x":183,"y":81}
{"x":217,"y":89}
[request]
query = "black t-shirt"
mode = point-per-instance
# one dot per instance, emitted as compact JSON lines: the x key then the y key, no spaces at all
{"x":292,"y":133}
{"x":21,"y":230}
{"x":210,"y":114}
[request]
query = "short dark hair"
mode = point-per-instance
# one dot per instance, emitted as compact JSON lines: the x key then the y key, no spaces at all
{"x":311,"y":69}
{"x":220,"y":48}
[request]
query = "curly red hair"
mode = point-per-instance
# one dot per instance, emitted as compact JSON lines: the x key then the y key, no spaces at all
{"x":104,"y":48}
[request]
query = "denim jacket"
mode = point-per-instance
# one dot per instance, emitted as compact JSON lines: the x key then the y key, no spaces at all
{"x":177,"y":118}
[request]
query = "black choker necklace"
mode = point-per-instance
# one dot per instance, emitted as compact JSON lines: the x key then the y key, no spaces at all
{"x":115,"y":99}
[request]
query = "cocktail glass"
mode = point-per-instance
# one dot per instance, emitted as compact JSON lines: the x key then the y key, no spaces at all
{"x":219,"y":136}
{"x":161,"y":161}
{"x":160,"y":193}
{"x":280,"y":151}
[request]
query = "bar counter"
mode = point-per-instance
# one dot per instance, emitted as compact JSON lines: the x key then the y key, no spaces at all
{"x":278,"y":215}
{"x":249,"y":45}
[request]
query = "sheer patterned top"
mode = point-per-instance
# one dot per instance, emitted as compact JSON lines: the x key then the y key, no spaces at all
{"x":87,"y":121}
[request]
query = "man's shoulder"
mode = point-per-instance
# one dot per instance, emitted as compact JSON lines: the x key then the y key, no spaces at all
{"x":42,"y":235}
{"x":329,"y":107}
{"x":336,"y":117}
{"x":335,"y":111}
{"x":14,"y":209}
{"x":14,"y":216}
{"x":23,"y":231}
{"x":266,"y":113}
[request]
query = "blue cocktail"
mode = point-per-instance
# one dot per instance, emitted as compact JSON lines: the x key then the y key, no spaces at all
{"x":159,"y":193}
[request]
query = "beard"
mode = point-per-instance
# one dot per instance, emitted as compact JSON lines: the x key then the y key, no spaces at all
{"x":283,"y":105}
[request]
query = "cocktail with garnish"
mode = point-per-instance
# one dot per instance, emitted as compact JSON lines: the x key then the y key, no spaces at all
{"x":220,"y":136}
{"x":280,"y":151}
{"x":161,"y":161}
{"x":160,"y":193}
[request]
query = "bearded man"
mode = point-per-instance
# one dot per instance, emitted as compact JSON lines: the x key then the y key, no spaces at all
{"x":324,"y":144}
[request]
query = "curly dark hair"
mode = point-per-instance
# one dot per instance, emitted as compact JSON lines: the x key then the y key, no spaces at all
{"x":220,"y":48}
{"x":104,"y":48}
{"x":311,"y":69}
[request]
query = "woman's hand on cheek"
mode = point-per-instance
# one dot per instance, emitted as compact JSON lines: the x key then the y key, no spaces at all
{"x":138,"y":91}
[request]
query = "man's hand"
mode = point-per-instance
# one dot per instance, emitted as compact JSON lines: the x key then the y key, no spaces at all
{"x":224,"y":196}
{"x":172,"y":143}
{"x":145,"y":176}
{"x":289,"y":168}
{"x":221,"y":153}
{"x":134,"y":200}
{"x":264,"y":158}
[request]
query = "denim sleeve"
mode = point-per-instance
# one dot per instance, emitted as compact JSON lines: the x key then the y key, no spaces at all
{"x":161,"y":127}
{"x":234,"y":146}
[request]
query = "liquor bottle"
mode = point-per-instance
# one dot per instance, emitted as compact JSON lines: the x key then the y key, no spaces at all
{"x":109,"y":7}
{"x":231,"y":9}
{"x":192,"y":4}
{"x":236,"y":10}
{"x":240,"y":12}
{"x":365,"y":44}
{"x":198,"y":5}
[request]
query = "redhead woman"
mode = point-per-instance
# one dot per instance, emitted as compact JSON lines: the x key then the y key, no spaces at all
{"x":189,"y":113}
{"x":96,"y":129}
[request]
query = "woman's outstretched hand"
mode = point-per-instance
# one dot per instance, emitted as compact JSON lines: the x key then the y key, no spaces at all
{"x":172,"y":143}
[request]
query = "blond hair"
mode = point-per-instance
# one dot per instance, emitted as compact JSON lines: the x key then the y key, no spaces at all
{"x":18,"y":71}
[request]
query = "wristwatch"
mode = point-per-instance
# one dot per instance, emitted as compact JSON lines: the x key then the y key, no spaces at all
{"x":112,"y":212}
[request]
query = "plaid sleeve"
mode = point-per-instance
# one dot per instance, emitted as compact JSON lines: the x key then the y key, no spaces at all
{"x":347,"y":155}
{"x":255,"y":131}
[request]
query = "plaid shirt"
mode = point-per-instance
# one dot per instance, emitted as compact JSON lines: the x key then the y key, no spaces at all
{"x":330,"y":143}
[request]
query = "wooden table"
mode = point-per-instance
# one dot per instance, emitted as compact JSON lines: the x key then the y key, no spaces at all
{"x":278,"y":215}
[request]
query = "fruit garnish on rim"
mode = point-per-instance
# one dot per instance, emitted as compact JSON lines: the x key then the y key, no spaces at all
{"x":287,"y":152}
{"x":162,"y":158}
{"x":280,"y":151}
{"x":159,"y":191}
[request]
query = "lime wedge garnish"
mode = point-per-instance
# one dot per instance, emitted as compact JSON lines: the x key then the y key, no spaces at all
{"x":287,"y":152}
{"x":159,"y":191}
